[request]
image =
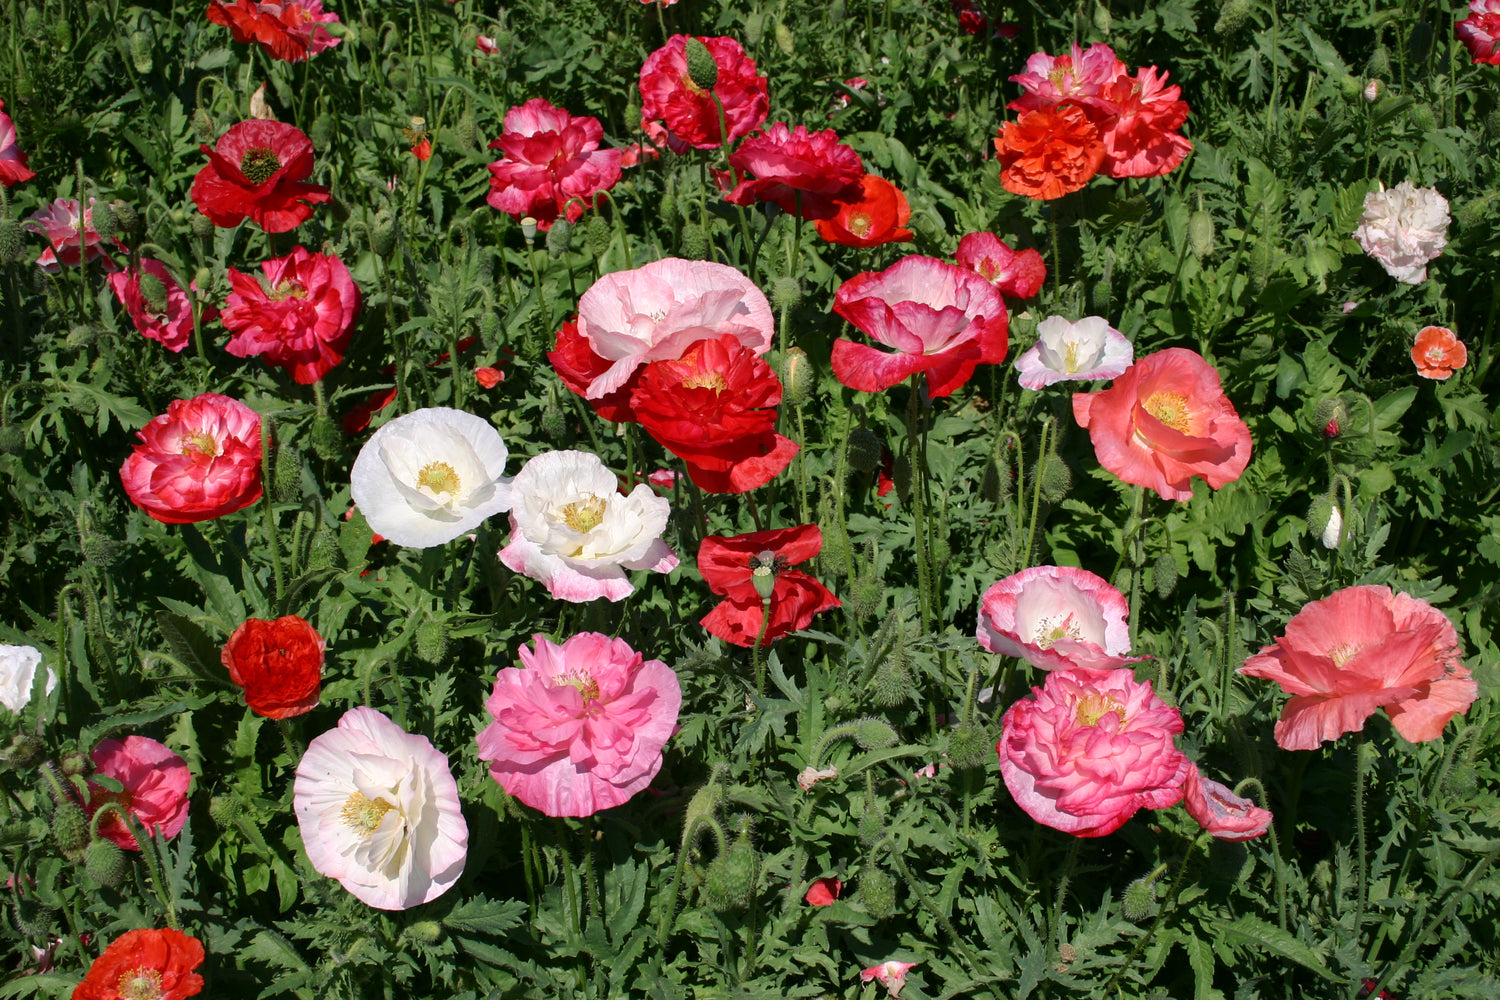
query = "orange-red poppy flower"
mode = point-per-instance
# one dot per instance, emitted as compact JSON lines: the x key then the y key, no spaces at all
{"x":878,"y":216}
{"x":1046,"y":154}
{"x":1438,"y":353}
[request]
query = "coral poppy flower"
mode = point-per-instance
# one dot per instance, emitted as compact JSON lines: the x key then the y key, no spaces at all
{"x":1359,"y":649}
{"x":1480,"y":31}
{"x":691,"y":116}
{"x":751,"y":569}
{"x":290,"y":30}
{"x":301,"y":317}
{"x":1165,"y":421}
{"x":1438,"y":353}
{"x":1057,"y":618}
{"x":879,"y":216}
{"x":13,"y":169}
{"x":1140,"y":135}
{"x":804,"y":172}
{"x":199,"y":460}
{"x":1017,"y":275}
{"x":488,"y":377}
{"x":155,"y":788}
{"x":257,"y":171}
{"x":1089,"y":749}
{"x":580,"y":726}
{"x":165,"y":315}
{"x":1221,"y":812}
{"x":553,"y":166}
{"x":149,"y":963}
{"x":1047,"y":154}
{"x":279,"y":664}
{"x":823,"y":892}
{"x":60,"y":222}
{"x":941,"y":319}
{"x":1087,"y":350}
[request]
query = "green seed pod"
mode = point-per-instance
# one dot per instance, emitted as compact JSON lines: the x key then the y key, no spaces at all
{"x":103,"y":218}
{"x":154,"y":291}
{"x":432,"y":641}
{"x":702,"y":69}
{"x":10,"y":239}
{"x":786,"y":293}
{"x":970,"y":746}
{"x":1233,"y":16}
{"x":286,"y":476}
{"x":877,"y":892}
{"x":874,"y":734}
{"x":597,"y":236}
{"x":1164,"y":575}
{"x":383,"y":236}
{"x":1422,"y":117}
{"x":327,"y":438}
{"x":863,"y":450}
{"x":754,"y":29}
{"x":694,"y":242}
{"x":320,"y":133}
{"x":1139,"y":899}
{"x":796,"y":376}
{"x":1057,"y":479}
{"x":141,"y":44}
{"x":1201,"y":234}
{"x":784,"y":40}
{"x":70,"y":829}
{"x":127,"y":219}
{"x":24,"y":752}
{"x":105,"y":863}
{"x":559,"y":239}
{"x":202,"y":227}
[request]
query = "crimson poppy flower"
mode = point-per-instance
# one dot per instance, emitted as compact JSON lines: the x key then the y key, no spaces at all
{"x":290,"y":30}
{"x":553,"y":165}
{"x":744,"y":567}
{"x":803,"y":172}
{"x":1017,"y":275}
{"x":13,"y":169}
{"x":879,"y":215}
{"x":279,"y":664}
{"x":1480,"y":32}
{"x":690,"y":113}
{"x":577,"y":364}
{"x":145,"y":963}
{"x":199,"y":460}
{"x":300,"y":319}
{"x":257,"y":171}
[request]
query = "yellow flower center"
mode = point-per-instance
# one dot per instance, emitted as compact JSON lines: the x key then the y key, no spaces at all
{"x":1342,"y":653}
{"x":283,"y":290}
{"x":364,"y":814}
{"x":1170,"y":408}
{"x":706,"y":380}
{"x":1070,"y":358}
{"x":439,"y":477}
{"x":140,"y":984}
{"x":202,"y":442}
{"x":583,"y":683}
{"x":860,"y":224}
{"x":584,"y":515}
{"x":1093,"y":707}
{"x":1049,"y":630}
{"x":259,"y":164}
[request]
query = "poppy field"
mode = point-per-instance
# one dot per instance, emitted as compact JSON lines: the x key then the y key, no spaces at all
{"x":707,"y":500}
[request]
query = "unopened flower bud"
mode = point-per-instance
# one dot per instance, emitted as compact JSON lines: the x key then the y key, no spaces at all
{"x":31,"y":21}
{"x":1470,"y":214}
{"x":1330,"y":416}
{"x":1320,"y":514}
{"x":1201,"y":234}
{"x":786,"y":292}
{"x":1379,"y":65}
{"x":70,"y":829}
{"x":559,"y":239}
{"x":1371,"y":93}
{"x":694,"y":242}
{"x":998,"y":482}
{"x":369,"y":37}
{"x":12,"y":440}
{"x":1233,"y":16}
{"x":286,"y":477}
{"x":702,"y":69}
{"x":877,"y":892}
{"x":141,"y":44}
{"x":863,"y":450}
{"x":970,"y":746}
{"x":327,"y":438}
{"x":902,"y":478}
{"x":754,"y":29}
{"x":106,"y":863}
{"x":425,"y":931}
{"x":10,"y":239}
{"x":383,"y":236}
{"x":874,"y":734}
{"x":597,"y":236}
{"x":204,"y":128}
{"x":796,"y":375}
{"x":733,"y":877}
{"x":432,"y":641}
{"x":223,"y":809}
{"x":784,"y":40}
{"x":24,"y":752}
{"x":33,"y":919}
{"x":323,"y":551}
{"x":467,"y":132}
{"x":871,"y":826}
{"x":62,"y":34}
{"x":554,"y":423}
{"x":127,"y":219}
{"x":1420,"y":115}
{"x":1057,"y":479}
{"x":1333,"y":532}
{"x":1139,"y":899}
{"x":320,"y":133}
{"x":202,"y":226}
{"x":154,"y":291}
{"x":1164,"y":575}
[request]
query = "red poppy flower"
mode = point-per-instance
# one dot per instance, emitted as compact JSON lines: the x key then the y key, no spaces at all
{"x":279,"y":664}
{"x":199,"y":460}
{"x":823,"y":891}
{"x":577,"y":364}
{"x":878,"y":216}
{"x":1480,"y":31}
{"x":290,"y":30}
{"x":256,"y":171}
{"x":794,"y":167}
{"x":422,"y":150}
{"x":13,"y":169}
{"x":167,"y":317}
{"x":691,"y":116}
{"x":1047,"y":154}
{"x":1017,"y":275}
{"x":714,"y":408}
{"x":553,"y":165}
{"x":300,"y":319}
{"x":489,"y":377}
{"x":743,"y":567}
{"x":1140,"y":135}
{"x":150,"y":963}
{"x":358,"y":417}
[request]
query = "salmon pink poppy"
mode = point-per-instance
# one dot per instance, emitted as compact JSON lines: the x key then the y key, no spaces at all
{"x":690,"y":113}
{"x":1057,"y":618}
{"x":13,"y":169}
{"x":941,"y":319}
{"x":1140,"y":133}
{"x":1222,"y":813}
{"x":1480,"y":31}
{"x":1164,"y":422}
{"x":60,"y":222}
{"x":805,"y":173}
{"x":1046,"y":154}
{"x":289,"y":30}
{"x":552,"y":166}
{"x":1438,"y":353}
{"x":580,"y":726}
{"x":1018,"y":275}
{"x":161,"y":311}
{"x":1089,"y":749}
{"x":715,"y":408}
{"x":1359,"y":649}
{"x":279,"y":664}
{"x":299,"y":317}
{"x":199,"y":460}
{"x":258,"y":171}
{"x":751,"y":572}
{"x":877,"y":217}
{"x":146,"y":963}
{"x":154,"y":789}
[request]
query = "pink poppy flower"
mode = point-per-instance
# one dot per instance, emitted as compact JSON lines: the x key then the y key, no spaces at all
{"x":1057,"y":618}
{"x":1087,"y":350}
{"x":581,"y":726}
{"x":1165,"y":421}
{"x":1480,"y":31}
{"x":805,"y":173}
{"x":1221,"y":812}
{"x":300,"y":318}
{"x":59,"y":222}
{"x":553,"y":166}
{"x":1078,"y":77}
{"x":1089,"y":749}
{"x":1140,"y":133}
{"x":13,"y":169}
{"x":1017,"y":275}
{"x":166,"y":318}
{"x":891,"y":975}
{"x":941,"y":319}
{"x":823,"y":892}
{"x":199,"y":460}
{"x":1359,"y":649}
{"x":655,"y":312}
{"x":155,"y":789}
{"x":690,"y":113}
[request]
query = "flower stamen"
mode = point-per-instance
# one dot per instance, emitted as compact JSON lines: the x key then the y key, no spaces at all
{"x":439,"y":478}
{"x":364,"y":814}
{"x":584,"y":516}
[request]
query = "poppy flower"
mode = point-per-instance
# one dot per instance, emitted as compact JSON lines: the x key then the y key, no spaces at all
{"x":1164,"y":422}
{"x":578,"y":366}
{"x":488,"y":377}
{"x":1404,"y":228}
{"x":552,"y":167}
{"x":891,"y":975}
{"x":163,"y":312}
{"x":1047,"y":154}
{"x":823,"y":892}
{"x":155,"y":788}
{"x":1479,"y":31}
{"x":422,"y":150}
{"x":279,"y":664}
{"x":1075,"y":77}
{"x":1087,"y":350}
{"x":878,"y":216}
{"x":60,"y":222}
{"x":689,"y":112}
{"x":715,"y":408}
{"x":1438,"y":353}
{"x":940,"y":318}
{"x":1057,"y":618}
{"x":18,"y":675}
{"x":1140,"y":131}
{"x":1359,"y":649}
{"x":289,"y":30}
{"x":804,"y":172}
{"x":13,"y":169}
{"x":1221,"y":812}
{"x":359,"y":415}
{"x":751,"y":572}
{"x":257,"y":171}
{"x":1018,"y":275}
{"x":148,"y":963}
{"x":300,"y":317}
{"x":199,"y":460}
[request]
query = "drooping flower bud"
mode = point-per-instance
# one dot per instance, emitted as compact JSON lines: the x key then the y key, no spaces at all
{"x":877,"y":892}
{"x":106,"y":863}
{"x":863,"y":449}
{"x":154,"y":291}
{"x":559,"y":239}
{"x":784,"y":40}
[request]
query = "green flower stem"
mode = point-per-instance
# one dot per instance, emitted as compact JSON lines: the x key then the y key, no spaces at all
{"x":918,"y":512}
{"x":1169,"y":904}
{"x":273,"y":530}
{"x":757,"y":654}
{"x":1361,"y":859}
{"x":1036,"y":489}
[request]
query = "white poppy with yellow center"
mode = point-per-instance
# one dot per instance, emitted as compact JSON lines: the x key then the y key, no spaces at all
{"x":1083,"y":351}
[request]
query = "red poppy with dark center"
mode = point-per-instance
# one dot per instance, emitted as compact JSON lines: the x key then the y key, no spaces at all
{"x":744,"y":567}
{"x":257,"y":171}
{"x":878,"y":216}
{"x":279,"y":664}
{"x":804,"y":172}
{"x":149,"y":963}
{"x":714,"y":408}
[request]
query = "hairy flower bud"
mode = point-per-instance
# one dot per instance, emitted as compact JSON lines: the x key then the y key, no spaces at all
{"x":24,"y":752}
{"x":1164,"y":575}
{"x":796,"y":376}
{"x":141,"y":44}
{"x":286,"y":477}
{"x":863,"y":450}
{"x":201,"y":226}
{"x":786,"y":292}
{"x":871,"y":733}
{"x":1139,"y":899}
{"x":127,"y":219}
{"x":432,"y":640}
{"x":70,"y":829}
{"x":1201,"y":234}
{"x":755,"y":28}
{"x":320,"y":133}
{"x":327,"y":438}
{"x":597,"y":236}
{"x":204,"y":127}
{"x":425,"y":931}
{"x":877,"y":892}
{"x":1233,"y":16}
{"x":784,"y":40}
{"x":10,"y":239}
{"x":105,"y":863}
{"x":154,"y":291}
{"x":694,"y":242}
{"x":559,"y":239}
{"x":702,"y":69}
{"x":733,"y":877}
{"x":1422,"y":117}
{"x":970,"y":746}
{"x":1330,"y":416}
{"x":1320,"y":514}
{"x":103,"y":217}
{"x":383,"y":235}
{"x":1057,"y":479}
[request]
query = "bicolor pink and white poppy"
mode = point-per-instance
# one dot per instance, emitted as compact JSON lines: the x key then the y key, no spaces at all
{"x":1222,"y":813}
{"x":1081,"y":351}
{"x":891,"y":975}
{"x":1057,"y":618}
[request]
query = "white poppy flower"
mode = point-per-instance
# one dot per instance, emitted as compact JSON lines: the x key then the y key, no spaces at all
{"x":379,"y":811}
{"x":429,"y":476}
{"x":1086,"y":350}
{"x":1403,"y":228}
{"x":574,"y":532}
{"x":1333,"y":533}
{"x":18,"y":673}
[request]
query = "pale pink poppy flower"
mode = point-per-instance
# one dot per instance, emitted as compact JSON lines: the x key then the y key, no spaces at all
{"x":13,"y":169}
{"x":59,"y":223}
{"x":1017,"y":275}
{"x":379,"y":811}
{"x":941,"y":319}
{"x":1404,"y":228}
{"x":1057,"y":618}
{"x":891,"y":975}
{"x":574,"y":532}
{"x":1089,"y":749}
{"x":1077,"y":77}
{"x":655,"y":312}
{"x":1359,"y":649}
{"x":552,"y":167}
{"x":155,"y":789}
{"x":580,"y":726}
{"x":810,"y":776}
{"x":1221,"y":812}
{"x":171,"y":327}
{"x":1084,"y":351}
